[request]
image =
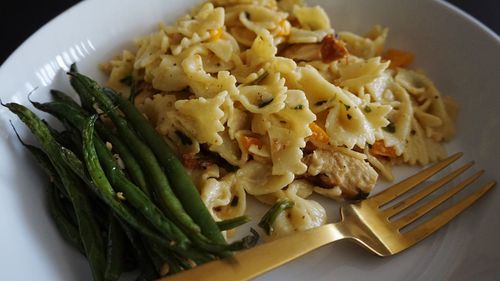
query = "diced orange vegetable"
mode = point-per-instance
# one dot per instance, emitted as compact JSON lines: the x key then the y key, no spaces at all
{"x":398,"y":58}
{"x":318,"y":134}
{"x":379,"y":149}
{"x":248,"y":141}
{"x":216,"y":34}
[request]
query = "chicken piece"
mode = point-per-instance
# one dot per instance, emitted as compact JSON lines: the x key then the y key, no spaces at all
{"x":337,"y":174}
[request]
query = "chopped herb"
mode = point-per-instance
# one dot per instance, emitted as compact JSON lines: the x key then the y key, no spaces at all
{"x":247,"y":15}
{"x":361,"y":195}
{"x":265,"y":103}
{"x":185,"y":140}
{"x":413,"y":132}
{"x":349,"y":116}
{"x":300,"y":106}
{"x":320,"y":102}
{"x":347,"y":107}
{"x":368,"y":109}
{"x":270,"y":216}
{"x":260,"y":78}
{"x":391,"y":128}
{"x":234,"y":201}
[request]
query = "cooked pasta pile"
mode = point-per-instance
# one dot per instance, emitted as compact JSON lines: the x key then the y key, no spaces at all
{"x":265,"y":98}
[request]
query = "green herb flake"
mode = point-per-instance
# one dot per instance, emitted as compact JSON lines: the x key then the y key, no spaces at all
{"x":299,"y":107}
{"x":347,"y":107}
{"x":368,"y":109}
{"x":349,"y":116}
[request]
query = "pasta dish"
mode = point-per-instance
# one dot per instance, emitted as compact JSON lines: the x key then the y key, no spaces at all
{"x":264,"y":98}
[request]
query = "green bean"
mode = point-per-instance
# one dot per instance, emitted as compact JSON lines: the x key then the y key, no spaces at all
{"x":133,"y":195}
{"x":146,"y":265}
{"x":232,"y":223}
{"x":63,"y":97}
{"x":106,"y":194}
{"x":75,"y":116}
{"x":67,"y":206}
{"x":86,"y":100}
{"x":115,"y":251}
{"x":63,"y":216}
{"x":66,"y":228}
{"x":167,"y":199}
{"x":88,"y":228}
{"x":159,"y":257}
{"x":177,"y":175}
{"x":156,"y":259}
{"x":43,"y":161}
{"x":110,"y":198}
{"x":270,"y":216}
{"x":133,"y":168}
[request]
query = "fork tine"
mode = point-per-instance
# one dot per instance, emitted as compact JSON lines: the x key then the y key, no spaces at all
{"x":404,"y":221}
{"x":397,"y":208}
{"x":427,"y":228}
{"x":402,"y":187}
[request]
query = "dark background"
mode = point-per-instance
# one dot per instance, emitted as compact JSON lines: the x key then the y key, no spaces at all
{"x":19,"y":19}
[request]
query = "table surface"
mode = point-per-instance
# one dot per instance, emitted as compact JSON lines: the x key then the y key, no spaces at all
{"x":23,"y":18}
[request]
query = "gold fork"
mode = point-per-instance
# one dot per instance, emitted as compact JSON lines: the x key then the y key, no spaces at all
{"x":367,"y":223}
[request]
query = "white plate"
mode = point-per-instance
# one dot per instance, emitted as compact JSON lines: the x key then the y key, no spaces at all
{"x":457,"y":52}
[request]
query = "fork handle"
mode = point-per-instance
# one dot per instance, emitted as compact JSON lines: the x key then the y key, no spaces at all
{"x":251,"y":263}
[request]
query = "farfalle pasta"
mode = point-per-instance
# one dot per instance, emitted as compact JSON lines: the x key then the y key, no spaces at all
{"x":264,"y":97}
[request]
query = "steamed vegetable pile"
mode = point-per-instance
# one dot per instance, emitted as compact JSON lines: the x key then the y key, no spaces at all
{"x":117,"y":191}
